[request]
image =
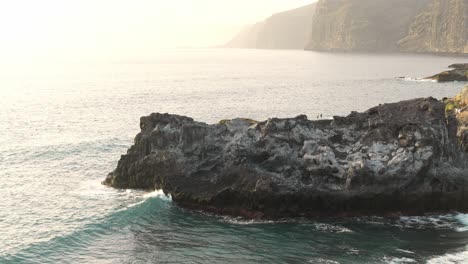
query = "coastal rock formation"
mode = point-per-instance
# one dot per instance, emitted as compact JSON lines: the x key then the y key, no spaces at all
{"x":436,"y":26}
{"x":459,"y":73}
{"x":286,"y":30}
{"x":408,"y":157}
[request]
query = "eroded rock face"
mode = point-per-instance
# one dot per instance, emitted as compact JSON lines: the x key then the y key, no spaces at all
{"x":362,"y":25}
{"x":441,"y":27}
{"x":458,"y":73}
{"x":429,"y":26}
{"x":395,"y":158}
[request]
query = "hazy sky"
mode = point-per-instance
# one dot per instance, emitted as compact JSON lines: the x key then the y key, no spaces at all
{"x":126,"y":27}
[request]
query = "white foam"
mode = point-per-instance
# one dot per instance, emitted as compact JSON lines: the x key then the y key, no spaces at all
{"x":451,"y":221}
{"x":423,"y":222}
{"x":453,"y":258}
{"x":244,"y":221}
{"x":459,"y":257}
{"x":332,"y":228}
{"x":94,"y":189}
{"x":405,"y":251}
{"x":322,"y":260}
{"x":150,"y":195}
{"x":157,"y":194}
{"x":408,"y":79}
{"x":135,"y":204}
{"x":398,"y":260}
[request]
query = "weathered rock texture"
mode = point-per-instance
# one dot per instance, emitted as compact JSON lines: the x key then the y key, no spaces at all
{"x":394,"y":158}
{"x":458,"y":73}
{"x":286,"y":30}
{"x":362,"y":25}
{"x":458,"y":107}
{"x":441,"y":27}
{"x":389,"y":26}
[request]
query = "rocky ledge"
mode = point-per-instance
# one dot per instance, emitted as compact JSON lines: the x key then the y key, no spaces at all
{"x":458,"y":73}
{"x":408,"y":157}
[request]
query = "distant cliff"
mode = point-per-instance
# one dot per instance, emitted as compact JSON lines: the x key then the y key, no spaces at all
{"x":362,"y":25}
{"x":286,"y":30}
{"x":437,"y":26}
{"x":441,"y":27}
{"x":389,"y":26}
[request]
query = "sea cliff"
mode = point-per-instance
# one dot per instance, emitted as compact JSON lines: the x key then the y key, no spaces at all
{"x":441,"y":27}
{"x":430,"y":26}
{"x":362,"y":25}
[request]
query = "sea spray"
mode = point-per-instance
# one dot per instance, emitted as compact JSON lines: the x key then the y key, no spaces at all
{"x":451,"y":258}
{"x":155,"y":194}
{"x":158,"y":194}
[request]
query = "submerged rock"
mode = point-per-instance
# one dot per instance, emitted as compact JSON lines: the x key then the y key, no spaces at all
{"x":400,"y":158}
{"x":459,"y":73}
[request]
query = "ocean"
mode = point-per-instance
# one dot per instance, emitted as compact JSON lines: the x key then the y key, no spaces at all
{"x":64,"y":125}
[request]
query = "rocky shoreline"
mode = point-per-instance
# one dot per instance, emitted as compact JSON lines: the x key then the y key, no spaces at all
{"x":458,"y":73}
{"x":408,"y":158}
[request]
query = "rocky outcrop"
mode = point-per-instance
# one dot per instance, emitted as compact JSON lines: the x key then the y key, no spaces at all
{"x":436,"y":26}
{"x":400,"y":158}
{"x":286,"y":30}
{"x":458,"y":73}
{"x":441,"y":27}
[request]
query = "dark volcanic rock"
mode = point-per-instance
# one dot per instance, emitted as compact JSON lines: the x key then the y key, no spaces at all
{"x":459,"y":73}
{"x":395,"y":158}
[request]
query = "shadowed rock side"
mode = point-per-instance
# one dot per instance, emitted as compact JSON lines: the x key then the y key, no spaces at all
{"x":458,"y":73}
{"x":286,"y":30}
{"x":395,"y":158}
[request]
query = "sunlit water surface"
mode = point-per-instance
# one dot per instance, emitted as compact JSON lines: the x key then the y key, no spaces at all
{"x":65,"y":125}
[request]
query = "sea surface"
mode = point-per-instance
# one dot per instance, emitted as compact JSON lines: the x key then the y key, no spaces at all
{"x":64,"y":125}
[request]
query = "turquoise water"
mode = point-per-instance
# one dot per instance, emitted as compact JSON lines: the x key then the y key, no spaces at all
{"x":65,"y":125}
